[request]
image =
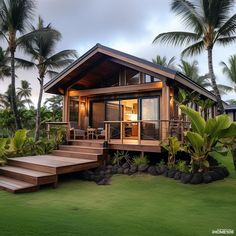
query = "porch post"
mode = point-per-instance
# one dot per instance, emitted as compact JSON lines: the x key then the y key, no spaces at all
{"x":65,"y":115}
{"x":165,"y":110}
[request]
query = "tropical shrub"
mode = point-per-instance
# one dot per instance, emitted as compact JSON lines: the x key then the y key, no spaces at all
{"x":182,"y":166}
{"x":207,"y":137}
{"x":173,"y":147}
{"x":140,"y":160}
{"x":3,"y":154}
{"x":119,"y":157}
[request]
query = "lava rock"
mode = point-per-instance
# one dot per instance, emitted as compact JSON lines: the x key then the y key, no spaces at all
{"x":120,"y":170}
{"x":213,"y":175}
{"x":165,"y":173}
{"x":143,"y":168}
{"x":197,"y":178}
{"x":171,"y":173}
{"x":109,"y":167}
{"x":108,"y":171}
{"x":152,"y":170}
{"x":207,"y":178}
{"x":161,"y":169}
{"x":101,"y":172}
{"x":125,"y":165}
{"x":114,"y":169}
{"x":186,"y":178}
{"x":225,"y":170}
{"x":177,"y":175}
{"x":133,"y":169}
{"x":221,"y":171}
{"x":126,"y":171}
{"x":104,"y":181}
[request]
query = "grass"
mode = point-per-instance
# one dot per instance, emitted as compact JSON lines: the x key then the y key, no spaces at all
{"x":132,"y":205}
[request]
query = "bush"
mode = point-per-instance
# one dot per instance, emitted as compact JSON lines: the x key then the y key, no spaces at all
{"x":140,"y":160}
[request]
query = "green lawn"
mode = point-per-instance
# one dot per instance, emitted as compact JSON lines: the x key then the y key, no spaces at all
{"x":132,"y":205}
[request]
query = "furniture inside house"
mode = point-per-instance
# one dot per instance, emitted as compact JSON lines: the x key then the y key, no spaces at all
{"x":75,"y":130}
{"x":91,"y":133}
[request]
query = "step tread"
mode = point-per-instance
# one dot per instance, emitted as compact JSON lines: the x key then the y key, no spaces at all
{"x":76,"y":152}
{"x":13,"y":184}
{"x":83,"y":147}
{"x":51,"y":160}
{"x":25,"y":171}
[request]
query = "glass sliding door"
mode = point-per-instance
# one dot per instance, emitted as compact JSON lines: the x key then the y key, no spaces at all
{"x":98,"y":115}
{"x":113,"y":113}
{"x":74,"y":110}
{"x":150,"y":114}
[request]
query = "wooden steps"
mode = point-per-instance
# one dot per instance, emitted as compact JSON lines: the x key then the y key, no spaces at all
{"x":25,"y":174}
{"x":16,"y":186}
{"x":77,"y":154}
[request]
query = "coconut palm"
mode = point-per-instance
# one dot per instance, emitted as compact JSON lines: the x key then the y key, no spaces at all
{"x":25,"y":91}
{"x":210,"y":24}
{"x":163,"y":61}
{"x":42,"y":50}
{"x":5,"y":69}
{"x":14,"y":18}
{"x":230,"y":70}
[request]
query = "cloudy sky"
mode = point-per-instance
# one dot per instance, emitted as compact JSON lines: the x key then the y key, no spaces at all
{"x":129,"y":26}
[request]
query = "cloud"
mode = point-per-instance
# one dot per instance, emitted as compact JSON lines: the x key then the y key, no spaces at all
{"x":129,"y":26}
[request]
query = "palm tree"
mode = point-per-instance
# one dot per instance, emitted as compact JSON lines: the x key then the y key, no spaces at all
{"x":163,"y":61}
{"x":230,"y":70}
{"x":25,"y":91}
{"x":191,"y":70}
{"x":5,"y":69}
{"x":210,"y":23}
{"x":14,"y":18}
{"x":41,"y":48}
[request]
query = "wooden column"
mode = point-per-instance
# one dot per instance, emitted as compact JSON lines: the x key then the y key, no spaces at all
{"x":65,"y":115}
{"x":165,"y":110}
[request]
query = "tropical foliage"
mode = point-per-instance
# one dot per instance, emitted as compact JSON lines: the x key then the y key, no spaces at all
{"x":163,"y":61}
{"x":140,"y":160}
{"x":210,"y":24}
{"x":207,"y":137}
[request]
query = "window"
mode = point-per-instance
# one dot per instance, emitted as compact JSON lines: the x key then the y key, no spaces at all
{"x":150,"y":79}
{"x":74,"y":109}
{"x":132,"y":77}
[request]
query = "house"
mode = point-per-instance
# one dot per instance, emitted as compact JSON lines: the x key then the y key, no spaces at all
{"x":132,"y":99}
{"x":231,"y":111}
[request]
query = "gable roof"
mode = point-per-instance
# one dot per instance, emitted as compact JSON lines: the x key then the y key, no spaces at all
{"x":132,"y":60}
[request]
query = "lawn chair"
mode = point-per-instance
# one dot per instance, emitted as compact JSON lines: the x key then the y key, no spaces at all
{"x":77,"y":132}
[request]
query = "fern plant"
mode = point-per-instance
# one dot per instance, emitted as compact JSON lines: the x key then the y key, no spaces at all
{"x":119,"y":157}
{"x":140,"y":160}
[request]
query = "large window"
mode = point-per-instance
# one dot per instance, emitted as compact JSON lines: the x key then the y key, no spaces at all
{"x":150,"y":79}
{"x":150,"y":116}
{"x":98,"y":114}
{"x":74,"y":109}
{"x":132,"y":77}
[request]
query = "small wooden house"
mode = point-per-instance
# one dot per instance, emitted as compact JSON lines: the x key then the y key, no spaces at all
{"x":126,"y":100}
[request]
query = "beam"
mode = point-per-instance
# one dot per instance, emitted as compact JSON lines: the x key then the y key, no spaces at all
{"x":118,"y":89}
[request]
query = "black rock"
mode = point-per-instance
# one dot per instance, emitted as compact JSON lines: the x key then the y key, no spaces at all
{"x":104,"y":181}
{"x":197,"y":178}
{"x":171,"y":173}
{"x":143,"y":168}
{"x":186,"y":177}
{"x":108,"y":171}
{"x":225,"y":170}
{"x":109,"y":167}
{"x":213,"y":175}
{"x":114,"y":169}
{"x":221,"y":171}
{"x":219,"y":174}
{"x":165,"y":173}
{"x":120,"y":170}
{"x":207,"y":178}
{"x":125,"y":165}
{"x":177,"y":175}
{"x":161,"y":169}
{"x":98,"y":178}
{"x":126,"y":171}
{"x":101,"y":172}
{"x":152,"y":170}
{"x":133,"y":169}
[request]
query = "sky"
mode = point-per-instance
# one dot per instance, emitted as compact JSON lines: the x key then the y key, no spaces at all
{"x":129,"y":26}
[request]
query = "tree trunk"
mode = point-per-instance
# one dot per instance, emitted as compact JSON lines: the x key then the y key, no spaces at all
{"x":38,"y":113}
{"x":13,"y":92}
{"x":213,"y":82}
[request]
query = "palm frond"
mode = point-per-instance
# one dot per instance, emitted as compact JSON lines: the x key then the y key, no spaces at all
{"x":65,"y":54}
{"x":52,"y":73}
{"x":194,"y":49}
{"x":228,"y":28}
{"x":176,"y":38}
{"x":25,"y":64}
{"x":224,"y":41}
{"x":189,"y":14}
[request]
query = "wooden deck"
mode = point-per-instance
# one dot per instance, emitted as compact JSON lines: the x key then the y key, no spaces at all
{"x":27,"y":174}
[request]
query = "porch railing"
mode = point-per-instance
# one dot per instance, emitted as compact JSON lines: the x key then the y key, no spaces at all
{"x":144,"y":130}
